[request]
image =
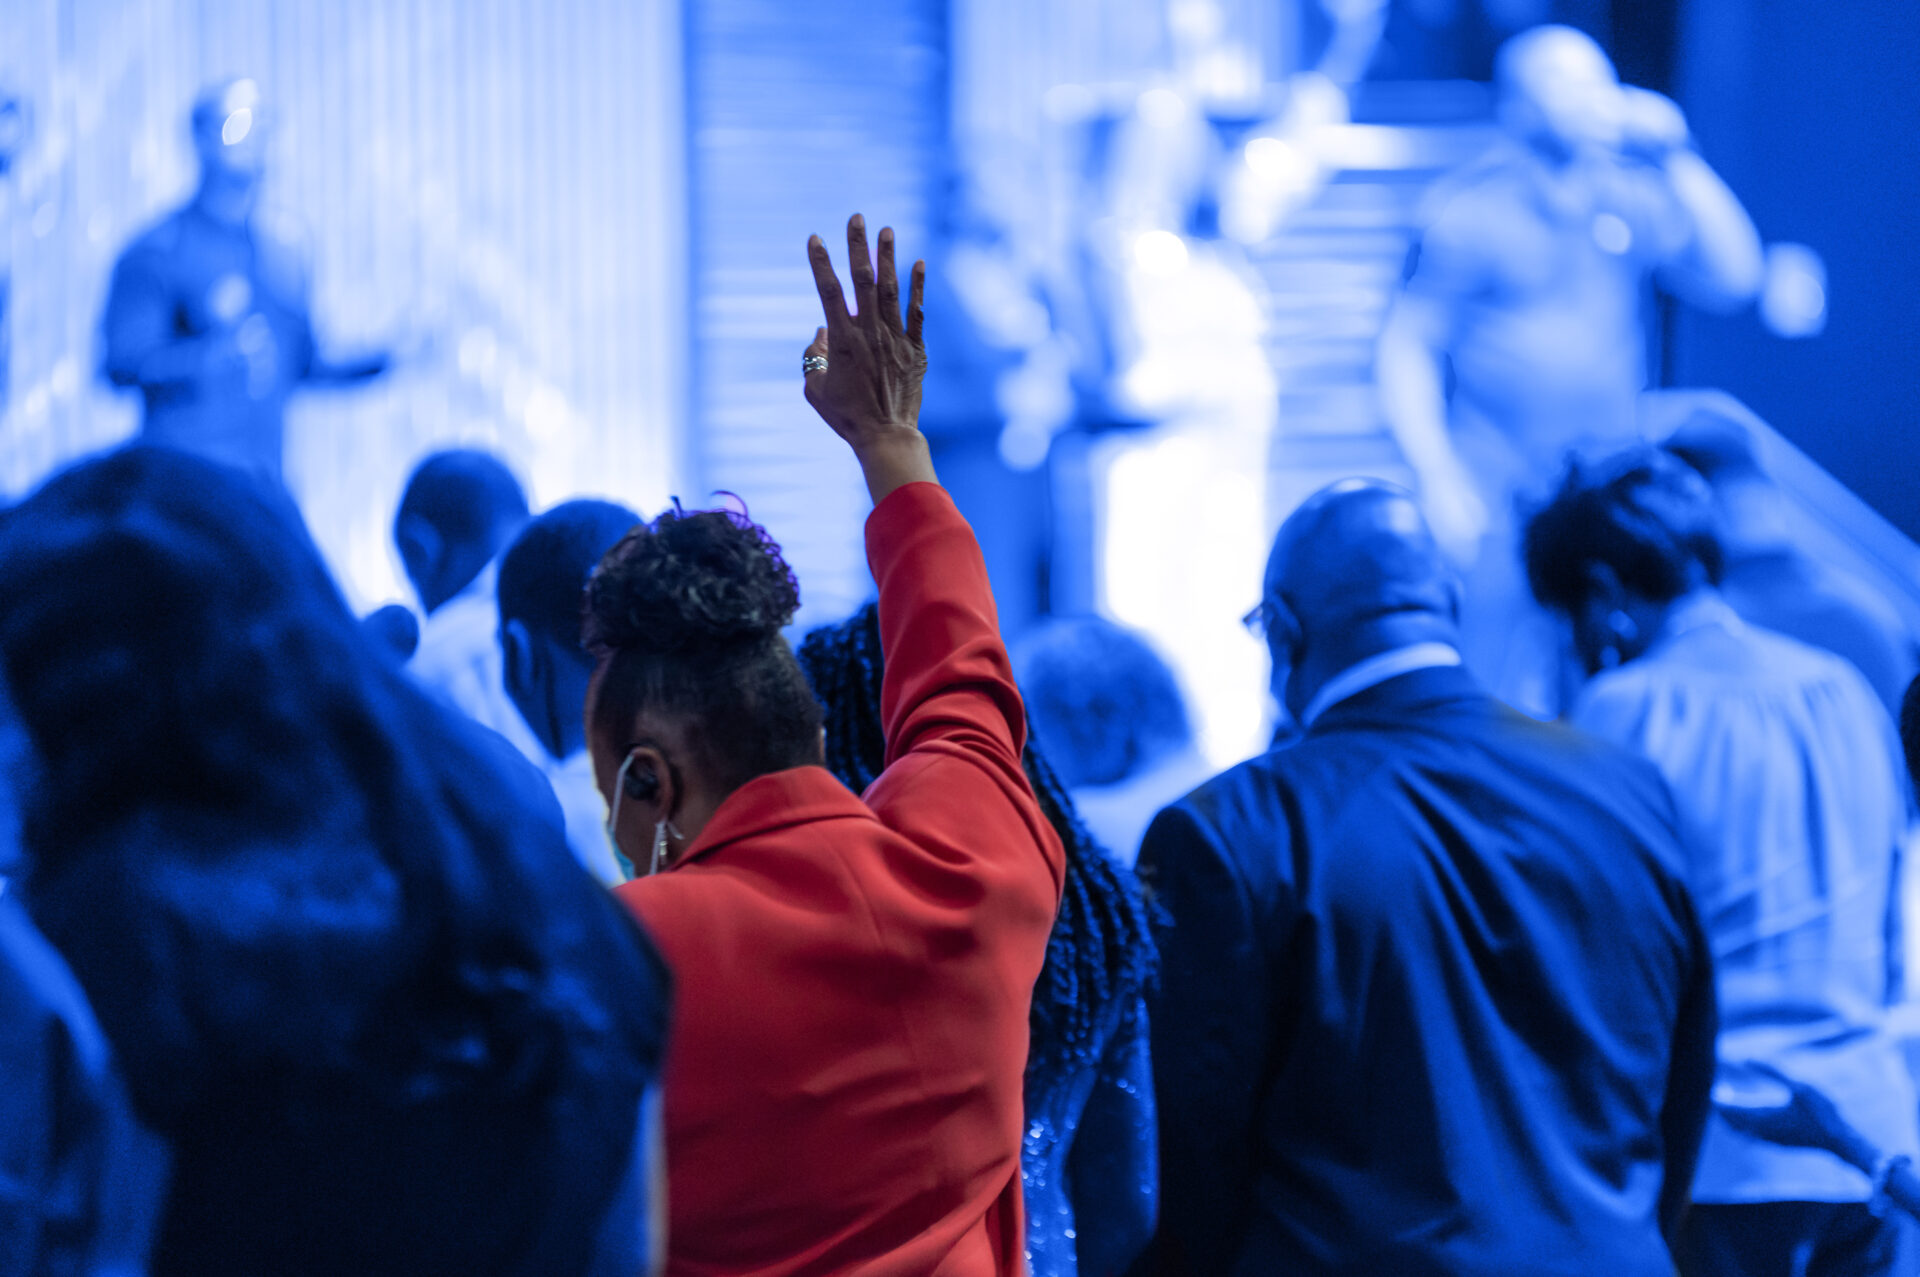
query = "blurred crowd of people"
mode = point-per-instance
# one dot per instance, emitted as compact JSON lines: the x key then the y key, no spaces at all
{"x":584,"y":924}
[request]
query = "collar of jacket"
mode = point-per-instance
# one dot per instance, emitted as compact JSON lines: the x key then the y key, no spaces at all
{"x":1395,"y":697}
{"x":797,"y":796}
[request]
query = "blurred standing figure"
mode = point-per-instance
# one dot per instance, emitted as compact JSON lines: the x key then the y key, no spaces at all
{"x":1528,"y":285}
{"x":459,"y":512}
{"x":207,"y":315}
{"x":543,"y":589}
{"x":1435,"y":999}
{"x":1768,"y":579}
{"x":1115,"y":724}
{"x":1783,"y":762}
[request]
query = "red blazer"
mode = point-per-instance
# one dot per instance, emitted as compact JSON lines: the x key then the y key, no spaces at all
{"x":849,"y":1032}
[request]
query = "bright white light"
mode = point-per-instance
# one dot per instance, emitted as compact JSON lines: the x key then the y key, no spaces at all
{"x":1163,"y":108}
{"x":546,"y":413}
{"x":1793,"y":301}
{"x":478,"y":350}
{"x":1612,"y":234}
{"x":1171,"y":585}
{"x":1278,"y":161}
{"x":238,"y":125}
{"x":1160,"y":253}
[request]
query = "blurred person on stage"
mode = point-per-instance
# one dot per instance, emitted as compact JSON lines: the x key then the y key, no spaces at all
{"x":1525,"y":293}
{"x":542,"y":593}
{"x":1784,"y":764}
{"x":330,"y":928}
{"x":207,"y":315}
{"x":1115,"y":723}
{"x":844,"y":1084}
{"x":1434,"y":996}
{"x":1089,"y":1165}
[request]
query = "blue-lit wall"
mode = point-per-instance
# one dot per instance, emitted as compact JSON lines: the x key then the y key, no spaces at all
{"x":1810,"y":109}
{"x":503,"y":179}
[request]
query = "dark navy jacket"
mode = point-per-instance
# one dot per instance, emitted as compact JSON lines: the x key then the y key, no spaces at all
{"x":1435,"y":1000}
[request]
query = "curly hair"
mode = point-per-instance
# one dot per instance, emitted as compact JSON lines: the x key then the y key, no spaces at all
{"x":1100,"y":956}
{"x":1644,"y":513}
{"x":684,"y":616}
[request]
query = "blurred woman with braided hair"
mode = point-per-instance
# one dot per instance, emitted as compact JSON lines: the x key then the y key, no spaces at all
{"x":853,"y":974}
{"x":1089,"y":1162}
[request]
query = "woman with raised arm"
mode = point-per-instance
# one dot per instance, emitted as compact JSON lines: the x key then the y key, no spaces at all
{"x":850,"y":1030}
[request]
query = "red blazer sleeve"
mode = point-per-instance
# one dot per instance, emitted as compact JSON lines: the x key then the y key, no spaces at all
{"x":948,"y":689}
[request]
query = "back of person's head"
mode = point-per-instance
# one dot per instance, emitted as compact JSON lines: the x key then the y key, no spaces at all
{"x":684,"y":617}
{"x":543,"y":574}
{"x":1100,"y":954}
{"x":299,"y":893}
{"x":1644,"y":515}
{"x":1558,"y":86}
{"x":1107,"y":704}
{"x":459,"y":509}
{"x":1357,"y":558}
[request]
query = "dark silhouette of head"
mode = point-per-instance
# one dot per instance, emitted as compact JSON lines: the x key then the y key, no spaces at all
{"x":1100,"y":955}
{"x":394,"y":629}
{"x":313,"y":910}
{"x":1354,"y":572}
{"x":543,"y":595}
{"x":1106,"y":702}
{"x":1621,"y":541}
{"x":460,"y":509}
{"x":695,"y":692}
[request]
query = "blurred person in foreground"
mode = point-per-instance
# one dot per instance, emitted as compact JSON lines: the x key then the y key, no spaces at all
{"x":1525,"y":294}
{"x":844,"y":1080}
{"x":542,"y":588}
{"x":1089,"y":1169}
{"x":208,"y":314}
{"x":80,"y":1182}
{"x":1434,"y":996}
{"x":331,"y":929}
{"x":1769,"y":580}
{"x":1783,"y":763}
{"x":1115,"y":722}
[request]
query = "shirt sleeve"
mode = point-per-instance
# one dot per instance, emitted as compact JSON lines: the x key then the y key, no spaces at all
{"x":948,"y":695}
{"x":1209,"y":1021}
{"x":138,"y":319}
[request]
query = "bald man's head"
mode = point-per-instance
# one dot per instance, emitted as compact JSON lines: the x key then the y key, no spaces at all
{"x":1354,"y":571}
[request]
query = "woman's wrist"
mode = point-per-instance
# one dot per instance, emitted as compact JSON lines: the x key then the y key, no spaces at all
{"x":894,"y":460}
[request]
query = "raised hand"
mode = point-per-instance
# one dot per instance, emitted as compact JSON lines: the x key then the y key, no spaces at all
{"x":863,"y":369}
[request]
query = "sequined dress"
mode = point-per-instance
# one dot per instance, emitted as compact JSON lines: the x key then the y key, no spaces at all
{"x":1089,"y":1161}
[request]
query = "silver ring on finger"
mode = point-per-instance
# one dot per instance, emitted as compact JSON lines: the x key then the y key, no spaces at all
{"x":812,"y":364}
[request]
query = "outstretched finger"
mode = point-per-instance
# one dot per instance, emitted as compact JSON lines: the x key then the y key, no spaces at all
{"x":916,"y":302}
{"x":860,"y":266}
{"x":832,"y":300}
{"x":889,"y":284}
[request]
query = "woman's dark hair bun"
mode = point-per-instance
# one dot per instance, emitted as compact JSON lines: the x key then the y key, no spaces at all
{"x":690,"y":579}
